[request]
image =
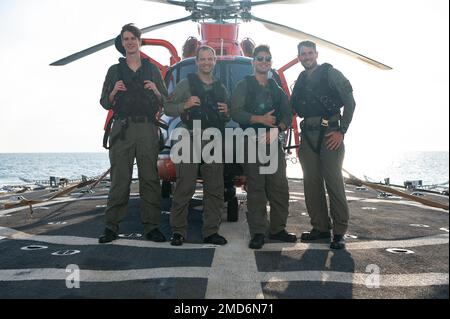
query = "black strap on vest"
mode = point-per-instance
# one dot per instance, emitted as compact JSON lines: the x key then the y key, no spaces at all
{"x":107,"y":132}
{"x":324,"y":125}
{"x":327,"y":104}
{"x":251,"y":97}
{"x":123,"y":127}
{"x":318,"y":92}
{"x":124,"y":118}
{"x":208,"y":111}
{"x":136,"y":101}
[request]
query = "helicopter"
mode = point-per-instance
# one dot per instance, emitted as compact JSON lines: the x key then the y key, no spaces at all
{"x":218,"y":22}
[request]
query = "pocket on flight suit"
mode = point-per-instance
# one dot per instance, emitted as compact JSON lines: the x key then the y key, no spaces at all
{"x":150,"y":143}
{"x":114,"y":133}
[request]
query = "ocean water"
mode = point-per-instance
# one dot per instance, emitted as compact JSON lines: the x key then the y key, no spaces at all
{"x":430,"y":167}
{"x":15,"y":168}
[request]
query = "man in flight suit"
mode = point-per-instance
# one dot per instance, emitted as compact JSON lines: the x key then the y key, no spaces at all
{"x":202,"y":98}
{"x":133,"y":89}
{"x":319,"y":94}
{"x":259,"y":103}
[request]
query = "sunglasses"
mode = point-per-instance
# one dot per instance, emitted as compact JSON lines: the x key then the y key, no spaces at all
{"x":261,"y":58}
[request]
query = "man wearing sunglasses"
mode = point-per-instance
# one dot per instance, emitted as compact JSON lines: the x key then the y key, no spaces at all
{"x":318,"y":96}
{"x":259,"y":103}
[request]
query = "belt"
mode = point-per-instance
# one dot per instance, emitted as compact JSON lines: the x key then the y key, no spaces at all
{"x":138,"y":119}
{"x":322,"y":128}
{"x":318,"y":127}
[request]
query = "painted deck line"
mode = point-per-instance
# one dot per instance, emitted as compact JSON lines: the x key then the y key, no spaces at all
{"x":369,"y":280}
{"x":441,"y":239}
{"x":237,"y":238}
{"x":234,"y":273}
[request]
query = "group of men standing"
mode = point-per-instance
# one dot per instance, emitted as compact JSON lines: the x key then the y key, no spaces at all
{"x":135,"y":91}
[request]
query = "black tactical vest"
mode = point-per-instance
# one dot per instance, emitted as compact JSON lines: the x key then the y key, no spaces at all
{"x":136,"y":100}
{"x":314,"y":97}
{"x":261,"y":100}
{"x":208,"y":111}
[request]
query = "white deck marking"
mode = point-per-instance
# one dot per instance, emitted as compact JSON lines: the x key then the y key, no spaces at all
{"x":402,"y":280}
{"x":104,"y":275}
{"x":233,"y":273}
{"x":440,"y":239}
{"x":83,"y":241}
{"x":237,"y":238}
{"x":397,"y":280}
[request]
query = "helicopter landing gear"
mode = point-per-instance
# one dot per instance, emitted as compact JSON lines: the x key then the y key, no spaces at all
{"x":232,"y":201}
{"x":166,"y":189}
{"x":233,"y":210}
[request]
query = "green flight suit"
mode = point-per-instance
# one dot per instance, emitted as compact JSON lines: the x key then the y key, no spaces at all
{"x":325,"y":168}
{"x":187,"y":174}
{"x":140,"y":141}
{"x":269,"y":187}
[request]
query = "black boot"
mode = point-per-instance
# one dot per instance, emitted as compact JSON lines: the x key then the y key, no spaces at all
{"x":156,"y":236}
{"x":177,"y":240}
{"x":107,"y":237}
{"x":284,"y":236}
{"x":315,"y":235}
{"x":257,"y":241}
{"x":215,"y":239}
{"x":338,"y":242}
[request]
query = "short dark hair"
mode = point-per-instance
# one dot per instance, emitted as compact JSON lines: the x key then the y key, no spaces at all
{"x":130,"y":27}
{"x":261,"y":48}
{"x":308,"y":44}
{"x":204,"y":48}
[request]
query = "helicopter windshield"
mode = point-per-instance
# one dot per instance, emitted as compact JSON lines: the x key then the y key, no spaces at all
{"x":229,"y":71}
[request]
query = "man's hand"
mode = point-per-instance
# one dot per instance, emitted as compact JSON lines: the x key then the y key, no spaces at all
{"x":149,"y":85}
{"x":193,"y":101}
{"x":268,"y":119}
{"x":223,"y":108}
{"x":334,"y":140}
{"x":118,"y":87}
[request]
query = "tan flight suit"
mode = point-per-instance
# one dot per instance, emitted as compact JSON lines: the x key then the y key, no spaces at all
{"x":141,"y":142}
{"x":187,"y":174}
{"x":269,"y":187}
{"x":325,"y":168}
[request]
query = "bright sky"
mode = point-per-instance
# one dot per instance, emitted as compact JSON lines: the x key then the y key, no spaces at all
{"x":56,"y":109}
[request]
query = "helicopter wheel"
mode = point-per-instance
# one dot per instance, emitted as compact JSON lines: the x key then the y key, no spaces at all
{"x":166,"y":189}
{"x":233,"y":210}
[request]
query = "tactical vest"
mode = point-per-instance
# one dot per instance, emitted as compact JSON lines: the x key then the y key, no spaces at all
{"x":136,"y":100}
{"x":260,"y":101}
{"x":314,"y":97}
{"x":208,"y":111}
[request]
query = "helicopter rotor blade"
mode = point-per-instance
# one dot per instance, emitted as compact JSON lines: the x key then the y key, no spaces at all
{"x":279,"y":28}
{"x":108,"y":43}
{"x":253,"y":3}
{"x":174,"y":2}
{"x":256,"y":3}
